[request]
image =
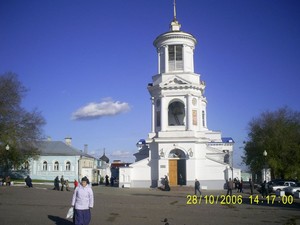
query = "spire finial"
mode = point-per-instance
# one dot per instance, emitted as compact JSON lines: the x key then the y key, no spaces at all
{"x":175,"y":25}
{"x":174,"y":6}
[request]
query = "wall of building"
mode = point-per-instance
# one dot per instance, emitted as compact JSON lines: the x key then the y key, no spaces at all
{"x":37,"y":169}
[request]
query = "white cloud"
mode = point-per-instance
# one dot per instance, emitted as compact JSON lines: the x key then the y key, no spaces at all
{"x":121,"y":154}
{"x":95,"y":110}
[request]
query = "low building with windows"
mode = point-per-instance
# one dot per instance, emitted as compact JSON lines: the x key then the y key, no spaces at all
{"x":59,"y":158}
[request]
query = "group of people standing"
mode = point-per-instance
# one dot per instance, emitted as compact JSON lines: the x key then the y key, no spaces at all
{"x":238,"y":185}
{"x":5,"y":181}
{"x":110,"y":181}
{"x":63,"y":183}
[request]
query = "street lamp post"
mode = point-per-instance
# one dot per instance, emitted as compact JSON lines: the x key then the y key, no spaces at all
{"x":265,"y":166}
{"x":7,"y":149}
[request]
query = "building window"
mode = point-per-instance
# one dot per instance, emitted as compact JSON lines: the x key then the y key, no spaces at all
{"x":226,"y":158}
{"x":26,"y":165}
{"x":68,"y":166}
{"x":56,"y":166}
{"x":176,"y":114}
{"x":203,"y":118}
{"x":158,"y":118}
{"x":175,"y":57}
{"x":45,"y":166}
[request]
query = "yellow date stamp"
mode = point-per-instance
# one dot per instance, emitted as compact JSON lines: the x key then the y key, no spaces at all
{"x":238,"y":200}
{"x":214,"y":199}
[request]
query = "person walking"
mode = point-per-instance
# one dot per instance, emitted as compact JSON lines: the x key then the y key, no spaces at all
{"x":241,"y":186}
{"x":56,"y":183}
{"x":67,"y":185}
{"x":251,"y":186}
{"x":264,"y":189}
{"x":62,"y":182}
{"x":75,"y":183}
{"x":106,"y":180}
{"x":197,"y":187}
{"x":83,"y":201}
{"x":112,"y":179}
{"x":229,"y":187}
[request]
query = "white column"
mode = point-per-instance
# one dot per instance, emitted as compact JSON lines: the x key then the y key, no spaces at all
{"x":183,"y":57}
{"x":189,"y":112}
{"x":158,"y":57}
{"x":164,"y":116}
{"x":153,"y":115}
{"x":166,"y":59}
{"x":192,"y":59}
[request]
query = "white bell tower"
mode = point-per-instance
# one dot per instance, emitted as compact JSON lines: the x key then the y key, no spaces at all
{"x":179,"y":146}
{"x":178,"y":101}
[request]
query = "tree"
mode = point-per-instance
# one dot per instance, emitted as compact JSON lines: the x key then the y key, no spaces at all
{"x":278,"y":133}
{"x":19,"y":128}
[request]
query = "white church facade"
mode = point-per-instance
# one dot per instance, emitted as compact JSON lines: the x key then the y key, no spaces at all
{"x":180,"y":145}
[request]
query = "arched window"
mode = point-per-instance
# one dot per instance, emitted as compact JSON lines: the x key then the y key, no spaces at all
{"x":45,"y":166}
{"x":176,"y":114}
{"x":175,"y":57}
{"x":56,"y":166}
{"x":177,"y":153}
{"x":68,"y":166}
{"x":26,"y":165}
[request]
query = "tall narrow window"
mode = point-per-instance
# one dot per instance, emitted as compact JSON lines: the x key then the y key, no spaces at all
{"x":203,"y":118}
{"x":158,"y":118}
{"x":68,"y":166}
{"x":45,"y":166}
{"x":175,"y":57}
{"x":56,"y":166}
{"x":26,"y":165}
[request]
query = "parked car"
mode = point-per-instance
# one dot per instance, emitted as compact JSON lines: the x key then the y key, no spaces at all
{"x":283,"y":184}
{"x":291,"y":190}
{"x":246,"y":185}
{"x":258,"y":188}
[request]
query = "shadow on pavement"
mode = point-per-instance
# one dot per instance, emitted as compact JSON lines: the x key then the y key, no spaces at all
{"x":59,"y":220}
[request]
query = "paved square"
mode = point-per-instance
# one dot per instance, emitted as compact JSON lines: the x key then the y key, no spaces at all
{"x":42,"y":205}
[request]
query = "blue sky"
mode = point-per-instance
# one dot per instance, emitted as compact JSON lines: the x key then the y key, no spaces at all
{"x":87,"y":63}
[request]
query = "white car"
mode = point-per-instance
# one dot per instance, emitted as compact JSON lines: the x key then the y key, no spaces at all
{"x":283,"y":184}
{"x":291,"y":190}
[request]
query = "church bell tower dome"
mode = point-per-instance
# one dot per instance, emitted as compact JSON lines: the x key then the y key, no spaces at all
{"x":178,"y":102}
{"x":175,"y":49}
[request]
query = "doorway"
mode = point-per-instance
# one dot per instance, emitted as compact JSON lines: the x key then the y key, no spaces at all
{"x":177,"y":172}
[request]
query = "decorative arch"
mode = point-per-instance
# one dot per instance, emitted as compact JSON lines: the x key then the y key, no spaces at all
{"x":68,"y":166}
{"x":176,"y":113}
{"x":26,"y":165}
{"x":56,"y":166}
{"x":45,"y":166}
{"x":177,"y":154}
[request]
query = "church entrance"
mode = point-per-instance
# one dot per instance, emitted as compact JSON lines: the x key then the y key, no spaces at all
{"x":177,"y":168}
